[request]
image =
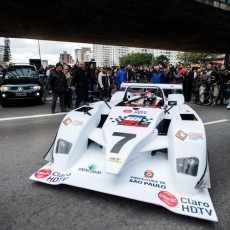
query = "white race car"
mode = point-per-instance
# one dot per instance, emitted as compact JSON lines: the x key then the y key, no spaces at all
{"x":144,"y":144}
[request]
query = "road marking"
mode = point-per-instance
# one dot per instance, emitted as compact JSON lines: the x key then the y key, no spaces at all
{"x":28,"y":117}
{"x":213,"y":122}
{"x":56,"y":114}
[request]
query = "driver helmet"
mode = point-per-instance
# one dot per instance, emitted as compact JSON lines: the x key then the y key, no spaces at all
{"x":149,"y":98}
{"x":148,"y":95}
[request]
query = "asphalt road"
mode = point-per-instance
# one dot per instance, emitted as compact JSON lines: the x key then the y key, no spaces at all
{"x":25,"y":204}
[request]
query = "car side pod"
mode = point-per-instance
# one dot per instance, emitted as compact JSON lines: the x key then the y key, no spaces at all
{"x":187,"y":154}
{"x":187,"y":158}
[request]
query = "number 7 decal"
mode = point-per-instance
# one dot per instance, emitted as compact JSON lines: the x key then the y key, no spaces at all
{"x":127,"y":137}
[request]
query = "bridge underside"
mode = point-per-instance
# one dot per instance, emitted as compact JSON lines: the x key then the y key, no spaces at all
{"x":184,"y":25}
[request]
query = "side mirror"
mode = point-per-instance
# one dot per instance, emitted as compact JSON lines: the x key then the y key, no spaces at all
{"x":178,"y":98}
{"x":172,"y":103}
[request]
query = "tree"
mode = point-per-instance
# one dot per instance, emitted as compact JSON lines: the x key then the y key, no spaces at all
{"x":137,"y":59}
{"x":195,"y":58}
{"x":7,"y":52}
{"x":163,"y":60}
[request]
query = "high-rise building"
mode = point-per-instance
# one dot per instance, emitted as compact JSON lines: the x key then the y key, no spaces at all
{"x":103,"y":55}
{"x":171,"y":55}
{"x":78,"y":55}
{"x":65,"y":58}
{"x":140,"y":50}
{"x":83,"y":51}
{"x":118,"y":52}
{"x":106,"y":55}
{"x":44,"y":63}
{"x":87,"y":56}
{"x":83,"y":54}
{"x":1,"y":52}
{"x":110,"y":55}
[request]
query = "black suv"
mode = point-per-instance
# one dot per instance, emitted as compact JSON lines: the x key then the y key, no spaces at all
{"x":21,"y":82}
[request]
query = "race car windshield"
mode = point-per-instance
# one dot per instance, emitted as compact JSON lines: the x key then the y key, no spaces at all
{"x":172,"y":91}
{"x":143,"y":97}
{"x":135,"y":92}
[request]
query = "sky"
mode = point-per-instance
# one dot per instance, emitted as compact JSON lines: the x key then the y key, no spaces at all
{"x":24,"y":49}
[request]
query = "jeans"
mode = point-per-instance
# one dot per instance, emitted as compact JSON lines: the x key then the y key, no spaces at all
{"x":201,"y":90}
{"x":62,"y":100}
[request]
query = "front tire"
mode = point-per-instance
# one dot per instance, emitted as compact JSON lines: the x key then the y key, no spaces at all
{"x":4,"y":103}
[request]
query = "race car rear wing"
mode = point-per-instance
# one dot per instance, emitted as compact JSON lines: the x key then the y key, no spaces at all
{"x":166,"y":88}
{"x":162,"y":86}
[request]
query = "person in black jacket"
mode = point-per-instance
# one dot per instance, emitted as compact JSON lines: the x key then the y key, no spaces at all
{"x":104,"y":83}
{"x":188,"y":83}
{"x":80,"y":82}
{"x":128,"y":73}
{"x":58,"y":86}
{"x":92,"y":81}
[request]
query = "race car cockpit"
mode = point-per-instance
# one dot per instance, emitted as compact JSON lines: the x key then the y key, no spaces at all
{"x":143,"y":97}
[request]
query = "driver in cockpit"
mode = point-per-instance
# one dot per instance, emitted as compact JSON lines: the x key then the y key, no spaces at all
{"x":151,"y":100}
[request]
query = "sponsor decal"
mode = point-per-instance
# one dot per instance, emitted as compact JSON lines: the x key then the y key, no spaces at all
{"x":77,"y":123}
{"x":58,"y":177}
{"x":195,"y":136}
{"x":115,"y":159}
{"x":135,"y":120}
{"x":140,"y":112}
{"x":193,"y":206}
{"x":91,"y":169}
{"x":181,"y":135}
{"x":149,"y":173}
{"x":127,"y":111}
{"x":132,"y":120}
{"x":67,"y":121}
{"x":148,"y":182}
{"x":42,"y":173}
{"x":168,"y":198}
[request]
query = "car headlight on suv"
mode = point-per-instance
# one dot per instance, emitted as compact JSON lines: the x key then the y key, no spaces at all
{"x":187,"y":165}
{"x":4,"y":88}
{"x":36,"y":87}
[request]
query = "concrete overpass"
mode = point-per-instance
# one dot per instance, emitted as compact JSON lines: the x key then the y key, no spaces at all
{"x":185,"y":25}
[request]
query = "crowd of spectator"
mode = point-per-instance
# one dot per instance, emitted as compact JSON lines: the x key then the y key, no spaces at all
{"x":82,"y":81}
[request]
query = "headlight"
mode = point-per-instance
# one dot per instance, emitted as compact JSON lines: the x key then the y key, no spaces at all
{"x":187,"y":165}
{"x":63,"y":146}
{"x":36,"y":87}
{"x":4,"y":88}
